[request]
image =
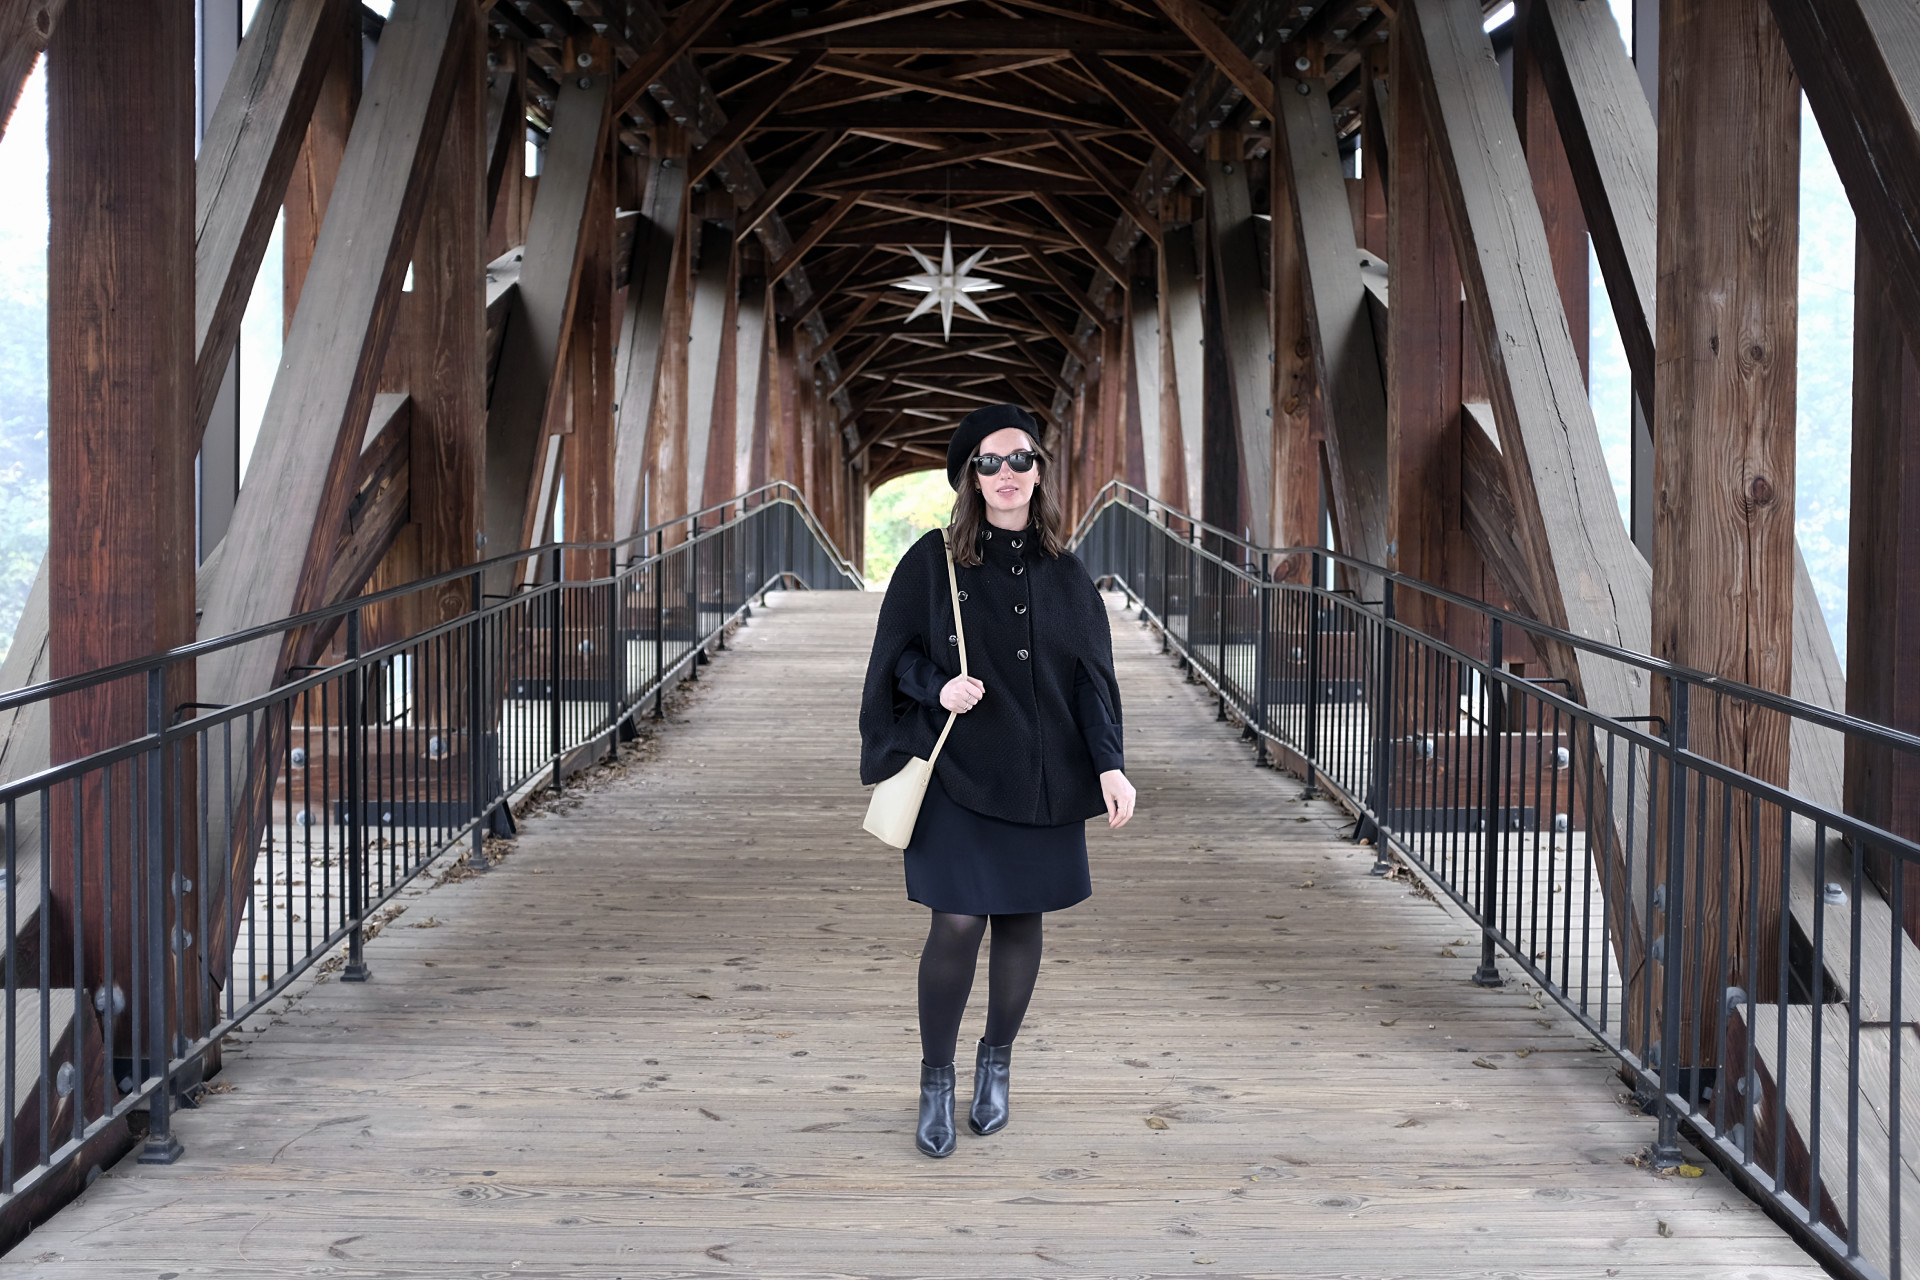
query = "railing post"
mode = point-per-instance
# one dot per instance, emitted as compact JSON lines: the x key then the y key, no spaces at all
{"x":693,"y":599}
{"x":161,"y":1146}
{"x":616,"y":667}
{"x":1493,"y":830}
{"x":554,"y":638}
{"x":1260,"y":663}
{"x":1383,"y":739}
{"x":659,"y":624}
{"x":1310,"y":732}
{"x":1666,"y":1143}
{"x":479,"y":765}
{"x":354,"y":709}
{"x":723,"y":573}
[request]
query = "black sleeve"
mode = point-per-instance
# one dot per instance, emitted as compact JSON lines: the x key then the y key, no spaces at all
{"x":1102,"y":735}
{"x":918,"y":677}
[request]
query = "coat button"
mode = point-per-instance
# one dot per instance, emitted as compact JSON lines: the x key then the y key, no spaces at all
{"x":1021,"y":654}
{"x":1018,"y":570}
{"x":1019,"y":608}
{"x":953,"y":639}
{"x":963,"y":596}
{"x":987,"y":534}
{"x":1018,"y":543}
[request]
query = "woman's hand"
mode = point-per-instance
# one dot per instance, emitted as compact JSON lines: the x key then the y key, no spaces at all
{"x":960,"y":693}
{"x":1119,"y":794}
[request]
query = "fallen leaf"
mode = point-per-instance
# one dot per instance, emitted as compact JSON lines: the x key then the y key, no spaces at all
{"x":1408,"y":1123}
{"x":1155,"y":1122}
{"x":1527,"y":1052}
{"x":1389,"y":1022}
{"x":1386,"y":948}
{"x":1449,"y":953}
{"x":708,"y":1114}
{"x":428,"y":923}
{"x":1276,"y":917}
{"x":1202,"y":1262}
{"x":1665,"y":1230}
{"x":1482,"y":1062}
{"x":695,"y":995}
{"x":1306,"y":884}
{"x":1689,"y":1170}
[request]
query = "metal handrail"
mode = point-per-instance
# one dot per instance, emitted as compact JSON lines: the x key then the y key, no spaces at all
{"x":1823,"y":717}
{"x":159,"y":892}
{"x":1660,"y":897}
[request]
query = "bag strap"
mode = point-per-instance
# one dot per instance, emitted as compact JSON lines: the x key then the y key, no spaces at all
{"x":959,"y":630}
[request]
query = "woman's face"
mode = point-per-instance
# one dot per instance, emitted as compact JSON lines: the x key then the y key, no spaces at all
{"x":1007,"y":489}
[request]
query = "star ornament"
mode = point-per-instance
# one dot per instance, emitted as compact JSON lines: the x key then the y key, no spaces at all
{"x":946,"y":286}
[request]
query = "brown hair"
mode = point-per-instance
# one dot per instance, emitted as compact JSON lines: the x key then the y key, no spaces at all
{"x":970,"y":514}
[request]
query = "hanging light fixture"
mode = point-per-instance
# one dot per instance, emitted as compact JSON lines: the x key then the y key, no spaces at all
{"x":946,"y":286}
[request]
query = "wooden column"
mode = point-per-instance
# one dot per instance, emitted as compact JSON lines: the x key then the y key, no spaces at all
{"x":1145,"y":304}
{"x":587,"y":457}
{"x":1723,"y":565}
{"x":1553,"y":184}
{"x":1182,"y":378}
{"x":1883,"y":573}
{"x":1234,"y":286}
{"x":721,"y":362}
{"x":749,"y":389}
{"x":438,"y":358}
{"x":1298,"y":436}
{"x":121,"y":432}
{"x":708,"y":311}
{"x":1425,"y":350}
{"x":641,"y":379}
{"x":318,"y":166}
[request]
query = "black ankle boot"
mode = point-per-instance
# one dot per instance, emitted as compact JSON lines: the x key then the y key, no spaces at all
{"x":934,"y":1134}
{"x":992,"y":1070}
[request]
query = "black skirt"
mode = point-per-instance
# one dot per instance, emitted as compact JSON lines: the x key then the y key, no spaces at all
{"x":971,"y":864}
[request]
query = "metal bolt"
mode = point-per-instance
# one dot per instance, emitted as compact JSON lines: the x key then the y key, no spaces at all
{"x":583,"y":60}
{"x":1302,"y":88}
{"x":1302,"y":64}
{"x":586,"y":82}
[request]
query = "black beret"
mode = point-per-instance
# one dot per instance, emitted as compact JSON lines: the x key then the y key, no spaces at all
{"x":977,"y":426}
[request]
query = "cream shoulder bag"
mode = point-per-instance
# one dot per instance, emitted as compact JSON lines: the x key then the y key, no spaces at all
{"x":895,"y":805}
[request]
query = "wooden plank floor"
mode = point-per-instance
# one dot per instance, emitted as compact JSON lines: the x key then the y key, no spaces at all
{"x":673,"y":1035}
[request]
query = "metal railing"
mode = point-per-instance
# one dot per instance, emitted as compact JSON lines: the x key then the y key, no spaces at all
{"x":159,"y":893}
{"x":1739,"y":947}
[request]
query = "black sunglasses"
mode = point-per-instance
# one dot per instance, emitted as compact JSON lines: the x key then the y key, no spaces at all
{"x":1020,"y":460}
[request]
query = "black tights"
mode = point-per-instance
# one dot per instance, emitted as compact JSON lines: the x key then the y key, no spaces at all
{"x":946,"y":978}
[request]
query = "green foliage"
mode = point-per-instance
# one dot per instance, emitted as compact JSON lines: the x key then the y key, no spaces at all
{"x":898,"y":513}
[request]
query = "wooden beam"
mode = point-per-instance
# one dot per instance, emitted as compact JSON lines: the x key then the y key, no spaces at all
{"x":1553,"y":182}
{"x":1149,"y":121}
{"x":1856,"y":61}
{"x":813,"y":304}
{"x":1115,"y":189}
{"x":1346,"y":356}
{"x":527,"y":386}
{"x":811,"y":238}
{"x":1233,"y":233}
{"x":1607,"y":132}
{"x":1882,"y":785}
{"x":645,"y":329}
{"x":988,"y":95}
{"x":783,"y":186}
{"x":1023,"y":35}
{"x":1723,"y":569}
{"x":846,"y":326}
{"x":709,"y":321}
{"x":938,"y":117}
{"x":438,"y":358}
{"x":1081,"y":236}
{"x":1184,"y":369}
{"x":312,"y":430}
{"x":317,"y":168}
{"x":506,"y":123}
{"x":1052,"y":326}
{"x":1427,"y":437}
{"x":246,"y":159}
{"x":121,"y":436}
{"x":750,"y":113}
{"x":1016,"y":231}
{"x":1199,"y":25}
{"x":1048,"y":268}
{"x":690,"y":22}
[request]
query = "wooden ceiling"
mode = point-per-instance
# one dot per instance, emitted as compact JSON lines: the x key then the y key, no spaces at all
{"x":1063,"y":137}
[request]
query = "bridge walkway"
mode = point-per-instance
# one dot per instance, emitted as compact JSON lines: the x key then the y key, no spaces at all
{"x":672,"y":1034}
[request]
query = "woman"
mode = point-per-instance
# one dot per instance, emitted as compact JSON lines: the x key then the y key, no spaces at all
{"x":1035,"y":749}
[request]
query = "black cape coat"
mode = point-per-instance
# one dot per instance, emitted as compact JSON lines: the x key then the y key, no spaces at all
{"x":1031,"y":619}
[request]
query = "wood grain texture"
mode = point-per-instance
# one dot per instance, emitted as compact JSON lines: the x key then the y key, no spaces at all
{"x":1233,"y":235}
{"x":246,"y":159}
{"x":1185,"y":323}
{"x":1426,"y":434}
{"x":672,"y":1034}
{"x":25,"y":28}
{"x":1724,"y":400}
{"x":317,"y":167}
{"x":529,"y":389}
{"x":1553,"y":182}
{"x":1346,"y":358}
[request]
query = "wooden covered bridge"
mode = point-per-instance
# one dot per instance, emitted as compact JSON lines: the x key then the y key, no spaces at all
{"x":429,"y":823}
